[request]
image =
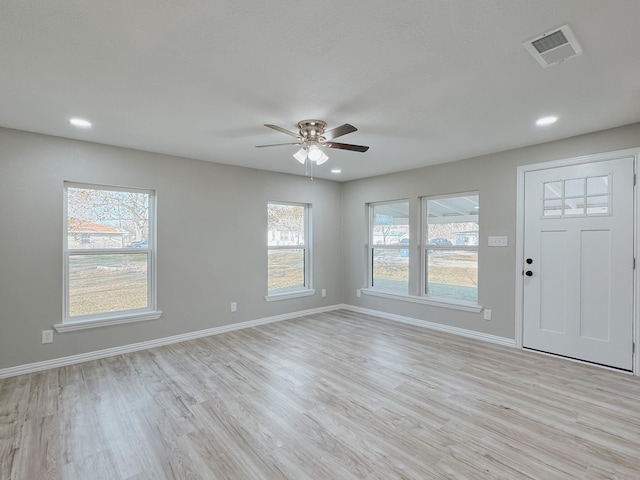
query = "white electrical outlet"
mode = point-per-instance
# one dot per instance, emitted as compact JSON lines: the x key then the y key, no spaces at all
{"x":487,"y":314}
{"x":47,"y":336}
{"x":324,"y":292}
{"x":234,"y":306}
{"x":358,"y":293}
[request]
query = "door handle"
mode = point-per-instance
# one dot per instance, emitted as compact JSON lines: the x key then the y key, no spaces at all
{"x":529,"y":273}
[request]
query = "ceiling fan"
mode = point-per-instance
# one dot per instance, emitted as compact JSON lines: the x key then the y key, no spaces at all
{"x":312,"y":135}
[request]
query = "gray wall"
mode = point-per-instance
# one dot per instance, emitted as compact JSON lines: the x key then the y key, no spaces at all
{"x":494,"y":176}
{"x":212,"y":231}
{"x":211,"y":241}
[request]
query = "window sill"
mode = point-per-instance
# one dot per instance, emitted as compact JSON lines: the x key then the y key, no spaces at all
{"x":433,"y":301}
{"x":72,"y":326}
{"x":286,"y":296}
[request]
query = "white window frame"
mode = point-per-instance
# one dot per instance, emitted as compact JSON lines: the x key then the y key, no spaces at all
{"x":424,"y":253}
{"x":371,"y":247}
{"x":307,"y":289}
{"x":150,"y":312}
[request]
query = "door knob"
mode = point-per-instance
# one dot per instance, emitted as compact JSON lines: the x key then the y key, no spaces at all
{"x":529,"y":261}
{"x":529,"y":273}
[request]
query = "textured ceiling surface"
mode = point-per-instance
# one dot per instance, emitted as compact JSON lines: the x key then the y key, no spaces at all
{"x":425,"y":82}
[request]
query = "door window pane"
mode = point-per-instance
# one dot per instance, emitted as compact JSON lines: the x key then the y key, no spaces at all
{"x":577,"y":197}
{"x":598,"y":185}
{"x":574,"y":188}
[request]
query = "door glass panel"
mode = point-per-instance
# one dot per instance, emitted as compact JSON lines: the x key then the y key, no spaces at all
{"x":577,"y":197}
{"x":574,"y":206}
{"x":574,"y":188}
{"x":598,"y":205}
{"x":552,"y":208}
{"x":553,"y":190}
{"x":598,"y":185}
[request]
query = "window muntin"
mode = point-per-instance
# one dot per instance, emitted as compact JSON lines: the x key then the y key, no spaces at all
{"x":287,"y":248}
{"x":389,"y":246}
{"x":577,"y":197}
{"x":450,"y":239}
{"x":108,"y":255}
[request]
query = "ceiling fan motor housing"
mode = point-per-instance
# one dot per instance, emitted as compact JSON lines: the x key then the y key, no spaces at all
{"x":312,"y":130}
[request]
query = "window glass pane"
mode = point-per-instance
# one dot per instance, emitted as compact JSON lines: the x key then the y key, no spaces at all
{"x":453,"y":221}
{"x":101,"y":219}
{"x":285,"y":224}
{"x":598,"y":205}
{"x":553,"y":190}
{"x":286,"y":270}
{"x":574,"y":188}
{"x":391,"y":269}
{"x":598,"y":185}
{"x":107,"y":283}
{"x":390,"y":223}
{"x":552,"y":208}
{"x":453,"y":273}
{"x":574,"y":206}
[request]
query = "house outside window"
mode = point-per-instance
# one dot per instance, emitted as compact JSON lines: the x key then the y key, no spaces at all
{"x":389,"y":246}
{"x":288,"y":240}
{"x":450,"y":239}
{"x":109,"y":255}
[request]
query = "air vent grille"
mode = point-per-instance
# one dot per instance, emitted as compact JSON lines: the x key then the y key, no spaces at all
{"x":553,"y":40}
{"x":554,"y":47}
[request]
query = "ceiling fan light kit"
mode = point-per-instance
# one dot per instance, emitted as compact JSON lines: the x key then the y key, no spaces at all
{"x":312,"y":136}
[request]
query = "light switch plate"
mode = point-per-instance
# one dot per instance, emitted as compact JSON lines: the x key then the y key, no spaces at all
{"x":497,"y":241}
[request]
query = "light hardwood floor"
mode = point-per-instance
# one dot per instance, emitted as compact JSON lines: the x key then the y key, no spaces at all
{"x":330,"y":396}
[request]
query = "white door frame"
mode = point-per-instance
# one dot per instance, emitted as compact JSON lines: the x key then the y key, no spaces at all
{"x":522,"y":170}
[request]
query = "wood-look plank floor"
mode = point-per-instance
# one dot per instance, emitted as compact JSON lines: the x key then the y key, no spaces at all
{"x":330,"y":396}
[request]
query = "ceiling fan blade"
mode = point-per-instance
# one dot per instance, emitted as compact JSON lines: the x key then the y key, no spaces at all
{"x":280,"y":129}
{"x":339,"y":131}
{"x":347,"y":146}
{"x":277,"y":145}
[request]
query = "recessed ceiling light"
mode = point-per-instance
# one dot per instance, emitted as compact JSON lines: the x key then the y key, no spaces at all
{"x":80,"y":123}
{"x":541,"y":122}
{"x":336,"y":170}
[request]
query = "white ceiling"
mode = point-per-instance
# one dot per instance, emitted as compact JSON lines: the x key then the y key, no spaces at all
{"x":424,"y":81}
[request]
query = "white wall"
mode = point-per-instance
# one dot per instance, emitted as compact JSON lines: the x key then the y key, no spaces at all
{"x":212,"y":230}
{"x":494,"y":176}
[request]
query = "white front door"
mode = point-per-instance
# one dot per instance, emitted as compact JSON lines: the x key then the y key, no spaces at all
{"x":578,"y":261}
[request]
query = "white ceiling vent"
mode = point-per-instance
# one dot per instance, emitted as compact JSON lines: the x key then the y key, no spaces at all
{"x":554,"y":47}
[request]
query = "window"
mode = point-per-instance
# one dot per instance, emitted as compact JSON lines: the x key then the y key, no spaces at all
{"x":108,"y":253}
{"x":288,"y":250}
{"x":450,"y":239}
{"x":389,"y":246}
{"x":577,"y":197}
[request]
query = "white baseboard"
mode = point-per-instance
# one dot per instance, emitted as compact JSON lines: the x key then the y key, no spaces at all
{"x":135,"y":347}
{"x":508,"y":342}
